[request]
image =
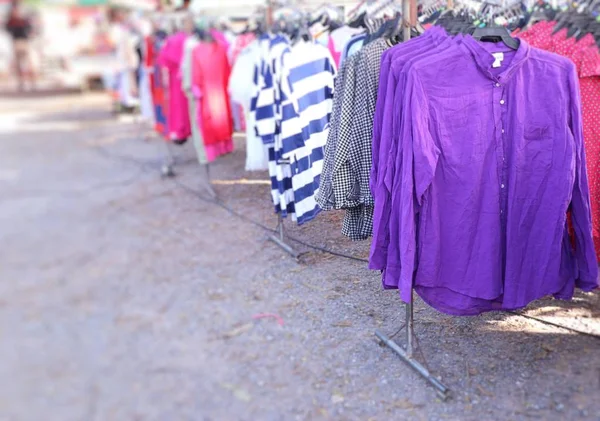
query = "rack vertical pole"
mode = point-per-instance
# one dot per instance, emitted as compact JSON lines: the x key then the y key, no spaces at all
{"x":168,"y":166}
{"x":406,"y":353}
{"x":406,"y":13}
{"x":279,"y":239}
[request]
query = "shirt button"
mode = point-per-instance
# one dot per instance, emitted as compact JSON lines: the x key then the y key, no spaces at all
{"x":502,"y":130}
{"x":497,"y":85}
{"x":501,"y":102}
{"x":501,"y":185}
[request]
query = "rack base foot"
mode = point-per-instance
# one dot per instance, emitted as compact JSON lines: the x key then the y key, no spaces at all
{"x":442,"y":391}
{"x":167,"y":170}
{"x":286,"y":247}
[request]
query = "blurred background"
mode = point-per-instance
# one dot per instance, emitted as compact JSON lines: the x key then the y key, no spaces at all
{"x":69,"y":43}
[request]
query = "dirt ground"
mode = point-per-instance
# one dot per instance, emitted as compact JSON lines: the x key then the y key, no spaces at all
{"x":127,"y":297}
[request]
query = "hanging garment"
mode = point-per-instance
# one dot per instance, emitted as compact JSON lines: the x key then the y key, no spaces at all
{"x":392,"y":65}
{"x":341,"y":178}
{"x":145,"y":95}
{"x":343,"y":86}
{"x":170,"y":57}
{"x":210,"y":76}
{"x":352,"y":133}
{"x":127,"y":63}
{"x":220,"y":38}
{"x":358,"y":220}
{"x":338,"y":39}
{"x":307,"y":91}
{"x":127,"y":88}
{"x":353,"y":46}
{"x":241,"y":42}
{"x":323,"y":38}
{"x":241,"y":89}
{"x":266,"y":106}
{"x":190,"y":44}
{"x":235,"y":48}
{"x":157,"y":88}
{"x":398,"y":73}
{"x":478,"y":186}
{"x":586,"y":56}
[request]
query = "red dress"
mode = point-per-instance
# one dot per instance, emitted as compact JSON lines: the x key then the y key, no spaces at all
{"x":178,"y":118}
{"x":156,"y":84}
{"x":210,"y":77}
{"x":586,"y":56}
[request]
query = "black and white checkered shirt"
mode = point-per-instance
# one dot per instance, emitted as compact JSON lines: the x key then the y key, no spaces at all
{"x":343,"y":96}
{"x":342,"y":176}
{"x":347,"y":162}
{"x":358,"y":221}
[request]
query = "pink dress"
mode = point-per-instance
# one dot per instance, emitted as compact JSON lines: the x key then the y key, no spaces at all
{"x":170,"y":57}
{"x":210,"y":77}
{"x":220,"y":38}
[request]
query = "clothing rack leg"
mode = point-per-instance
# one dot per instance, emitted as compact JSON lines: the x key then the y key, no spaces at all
{"x":407,"y":353}
{"x":280,"y":239}
{"x":208,"y":184}
{"x":168,"y":167}
{"x":409,"y":329}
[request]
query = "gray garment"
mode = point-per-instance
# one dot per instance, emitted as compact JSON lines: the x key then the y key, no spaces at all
{"x":186,"y":83}
{"x":196,"y":134}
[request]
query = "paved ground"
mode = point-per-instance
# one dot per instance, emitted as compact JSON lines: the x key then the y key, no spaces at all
{"x":127,"y":297}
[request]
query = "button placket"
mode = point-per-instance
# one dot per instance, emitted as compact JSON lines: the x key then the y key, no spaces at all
{"x":500,"y":113}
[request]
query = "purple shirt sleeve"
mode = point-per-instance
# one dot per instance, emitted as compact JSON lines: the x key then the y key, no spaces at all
{"x":419,"y":156}
{"x":382,"y":144}
{"x":394,"y":164}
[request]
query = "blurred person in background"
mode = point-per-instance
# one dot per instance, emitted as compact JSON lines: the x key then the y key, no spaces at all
{"x":20,"y":28}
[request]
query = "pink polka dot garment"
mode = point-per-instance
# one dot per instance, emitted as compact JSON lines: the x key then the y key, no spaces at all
{"x":586,"y":56}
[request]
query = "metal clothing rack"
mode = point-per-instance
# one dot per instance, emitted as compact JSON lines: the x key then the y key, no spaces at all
{"x":279,"y":238}
{"x":407,"y":352}
{"x":168,"y":170}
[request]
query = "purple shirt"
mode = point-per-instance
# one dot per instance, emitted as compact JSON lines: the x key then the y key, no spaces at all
{"x":382,"y":138}
{"x":392,"y":131}
{"x":490,"y":161}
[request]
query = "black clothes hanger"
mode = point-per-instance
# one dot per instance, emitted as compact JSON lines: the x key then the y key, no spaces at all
{"x":433,"y":18}
{"x":388,"y":30}
{"x":300,"y":32}
{"x":359,"y":21}
{"x":456,"y":22}
{"x":495,"y":33}
{"x":161,"y":34}
{"x":260,"y":29}
{"x":333,"y":25}
{"x":203,"y":35}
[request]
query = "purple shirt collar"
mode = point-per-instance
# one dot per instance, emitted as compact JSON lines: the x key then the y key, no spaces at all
{"x":484,"y":59}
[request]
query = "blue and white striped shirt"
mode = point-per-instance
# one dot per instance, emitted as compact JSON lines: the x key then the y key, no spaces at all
{"x":266,"y":108}
{"x":307,"y":93}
